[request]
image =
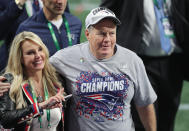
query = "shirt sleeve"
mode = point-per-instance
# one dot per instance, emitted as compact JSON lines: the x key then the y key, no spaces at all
{"x":144,"y":93}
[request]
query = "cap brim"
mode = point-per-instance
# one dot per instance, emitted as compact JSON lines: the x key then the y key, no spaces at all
{"x":115,"y":20}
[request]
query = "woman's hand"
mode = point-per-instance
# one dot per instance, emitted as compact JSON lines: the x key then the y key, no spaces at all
{"x":4,"y":87}
{"x":54,"y":101}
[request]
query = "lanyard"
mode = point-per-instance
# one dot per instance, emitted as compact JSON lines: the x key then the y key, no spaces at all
{"x":56,"y":43}
{"x":47,"y":110}
{"x":159,"y":3}
{"x":156,"y":1}
{"x":27,"y":11}
{"x":162,"y":7}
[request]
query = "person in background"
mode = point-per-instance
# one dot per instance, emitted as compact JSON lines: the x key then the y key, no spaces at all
{"x":179,"y":14}
{"x":12,"y":13}
{"x":102,"y":83}
{"x":156,"y":32}
{"x":28,"y":104}
{"x":57,"y":28}
{"x":9,"y":12}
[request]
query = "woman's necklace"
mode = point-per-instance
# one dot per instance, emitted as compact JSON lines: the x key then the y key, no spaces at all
{"x":39,"y":97}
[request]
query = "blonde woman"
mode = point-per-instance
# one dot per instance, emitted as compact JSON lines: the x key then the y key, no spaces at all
{"x":28,"y":105}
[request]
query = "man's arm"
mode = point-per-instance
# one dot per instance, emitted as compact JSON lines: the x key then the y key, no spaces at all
{"x":148,"y":117}
{"x":9,"y":12}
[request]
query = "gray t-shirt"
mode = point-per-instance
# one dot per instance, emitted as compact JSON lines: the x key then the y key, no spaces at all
{"x":103,"y":89}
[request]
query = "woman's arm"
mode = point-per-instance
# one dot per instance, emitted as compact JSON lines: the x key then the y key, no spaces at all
{"x":4,"y":87}
{"x":10,"y":116}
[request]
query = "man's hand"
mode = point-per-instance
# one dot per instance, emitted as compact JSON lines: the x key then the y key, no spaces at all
{"x":4,"y":87}
{"x":21,"y":1}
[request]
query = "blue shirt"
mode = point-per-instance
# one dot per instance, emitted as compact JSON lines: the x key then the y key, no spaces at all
{"x":39,"y":25}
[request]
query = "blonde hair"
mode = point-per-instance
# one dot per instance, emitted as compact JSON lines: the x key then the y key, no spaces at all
{"x":16,"y":68}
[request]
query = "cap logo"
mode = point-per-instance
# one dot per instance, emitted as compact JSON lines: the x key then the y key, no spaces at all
{"x":102,"y":9}
{"x":98,"y":14}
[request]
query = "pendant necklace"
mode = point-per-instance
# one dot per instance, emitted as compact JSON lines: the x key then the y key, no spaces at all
{"x":39,"y":97}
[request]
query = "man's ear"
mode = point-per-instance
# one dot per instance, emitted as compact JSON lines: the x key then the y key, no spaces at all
{"x":87,"y":34}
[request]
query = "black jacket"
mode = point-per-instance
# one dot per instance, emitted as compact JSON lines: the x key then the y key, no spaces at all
{"x":19,"y":119}
{"x":180,"y":22}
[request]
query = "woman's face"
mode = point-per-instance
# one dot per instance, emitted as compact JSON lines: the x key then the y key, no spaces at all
{"x":33,"y":57}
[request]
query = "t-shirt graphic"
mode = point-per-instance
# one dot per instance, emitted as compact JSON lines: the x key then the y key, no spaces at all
{"x":101,"y":95}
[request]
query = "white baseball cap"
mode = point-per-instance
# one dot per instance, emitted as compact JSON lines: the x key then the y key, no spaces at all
{"x":98,"y":14}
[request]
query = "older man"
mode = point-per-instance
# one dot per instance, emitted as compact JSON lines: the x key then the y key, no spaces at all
{"x":102,"y":84}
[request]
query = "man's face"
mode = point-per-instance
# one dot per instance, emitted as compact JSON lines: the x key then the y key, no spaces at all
{"x":55,"y":7}
{"x":102,"y":39}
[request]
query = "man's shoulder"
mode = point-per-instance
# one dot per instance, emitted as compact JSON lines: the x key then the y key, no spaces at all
{"x":73,"y":20}
{"x":71,"y":51}
{"x":127,"y":53}
{"x":125,"y":50}
{"x":32,"y":23}
{"x":75,"y":49}
{"x":35,"y":19}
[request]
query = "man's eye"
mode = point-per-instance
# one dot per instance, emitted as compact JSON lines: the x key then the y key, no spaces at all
{"x":102,"y":34}
{"x":112,"y":33}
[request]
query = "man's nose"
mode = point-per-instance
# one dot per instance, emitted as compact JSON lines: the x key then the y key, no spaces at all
{"x":107,"y":37}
